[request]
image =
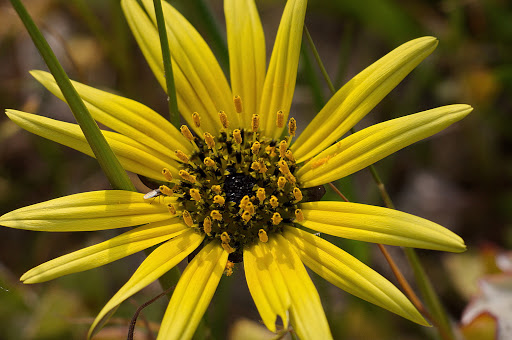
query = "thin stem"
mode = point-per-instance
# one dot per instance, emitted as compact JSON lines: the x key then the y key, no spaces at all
{"x":166,"y":55}
{"x":105,"y":156}
{"x":439,"y":316}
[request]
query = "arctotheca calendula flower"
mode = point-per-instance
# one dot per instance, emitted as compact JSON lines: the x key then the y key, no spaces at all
{"x":231,"y":187}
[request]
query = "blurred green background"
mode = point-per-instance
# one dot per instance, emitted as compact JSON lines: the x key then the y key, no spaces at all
{"x":460,"y":178}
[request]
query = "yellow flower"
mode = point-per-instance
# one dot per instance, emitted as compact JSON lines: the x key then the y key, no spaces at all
{"x":234,"y":189}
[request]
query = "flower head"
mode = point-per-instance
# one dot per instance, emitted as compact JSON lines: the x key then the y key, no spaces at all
{"x":230,"y":186}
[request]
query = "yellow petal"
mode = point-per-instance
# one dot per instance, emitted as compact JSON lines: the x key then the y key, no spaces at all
{"x":380,"y":225}
{"x":247,"y":61}
{"x":307,"y":314}
{"x":359,"y":96}
{"x":133,"y":155}
{"x":200,"y":83}
{"x":282,"y":70}
{"x":109,"y":251}
{"x":267,"y":285}
{"x":193,"y":293}
{"x":370,"y":145}
{"x":159,"y":262}
{"x":96,"y":210}
{"x":349,"y":274}
{"x":125,"y":116}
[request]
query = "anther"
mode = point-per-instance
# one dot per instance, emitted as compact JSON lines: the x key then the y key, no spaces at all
{"x":290,"y":178}
{"x":299,"y":216}
{"x":255,"y":123}
{"x":289,"y":155}
{"x":249,"y":207}
{"x":260,"y":194}
{"x":224,"y":237}
{"x":227,"y":247}
{"x":207,"y":225}
{"x":194,"y":193}
{"x":237,"y":135}
{"x":255,"y":166}
{"x":262,"y":235}
{"x":283,"y":146}
{"x":276,"y":218}
{"x":186,"y":133}
{"x":292,"y":127}
{"x":283,"y":167}
{"x":218,"y":199}
{"x":228,"y":270}
{"x":209,"y":162}
{"x":223,"y":119}
{"x":255,"y":148}
{"x":246,"y":216}
{"x":208,"y":138}
{"x":244,"y":201}
{"x":280,"y":119}
{"x":297,"y":194}
{"x":171,"y":208}
{"x":181,"y":155}
{"x":187,"y":176}
{"x":167,"y":174}
{"x":216,"y":189}
{"x":281,"y":182}
{"x":187,"y":218}
{"x":197,"y":119}
{"x":164,"y":189}
{"x":274,"y":202}
{"x":216,"y":215}
{"x":238,"y":104}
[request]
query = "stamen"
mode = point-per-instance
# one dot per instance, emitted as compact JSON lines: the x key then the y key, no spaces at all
{"x":255,"y":148}
{"x":181,"y":155}
{"x":238,"y":104}
{"x":276,"y":218}
{"x":297,"y":194}
{"x":283,"y":167}
{"x":255,"y":166}
{"x":250,"y":208}
{"x":207,"y":225}
{"x":209,"y":162}
{"x":274,"y":202}
{"x":164,"y":189}
{"x":299,"y":216}
{"x":186,"y":133}
{"x":187,"y":218}
{"x":197,"y":119}
{"x":194,"y":193}
{"x":216,"y":215}
{"x":261,"y":194}
{"x":223,"y":119}
{"x":246,"y":216}
{"x":262,"y":235}
{"x":244,"y":201}
{"x":209,"y":140}
{"x":289,"y":155}
{"x":283,"y":146}
{"x":237,"y":135}
{"x":270,"y":150}
{"x":227,"y":247}
{"x":167,"y":174}
{"x":292,"y":127}
{"x":290,"y":178}
{"x":224,"y":237}
{"x":216,"y":189}
{"x":187,"y":176}
{"x":229,"y":268}
{"x":219,"y":200}
{"x":255,"y":123}
{"x":281,"y":182}
{"x":171,"y":208}
{"x":280,"y":119}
